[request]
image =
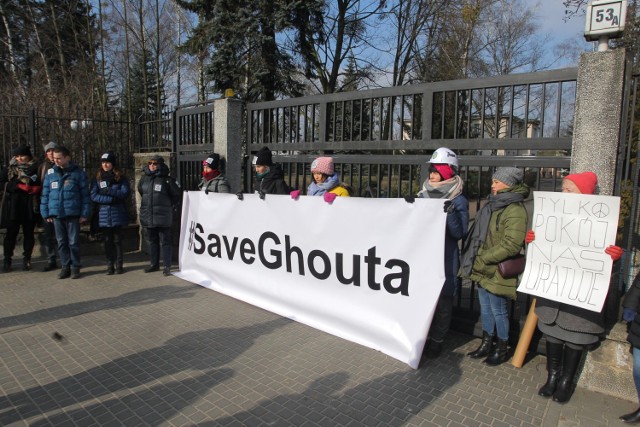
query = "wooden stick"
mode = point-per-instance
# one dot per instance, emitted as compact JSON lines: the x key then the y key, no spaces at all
{"x":525,"y":337}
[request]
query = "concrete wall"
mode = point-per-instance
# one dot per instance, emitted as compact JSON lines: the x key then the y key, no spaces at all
{"x":599,"y":101}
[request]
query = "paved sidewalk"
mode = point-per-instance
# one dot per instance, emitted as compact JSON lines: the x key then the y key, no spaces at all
{"x":143,"y":349}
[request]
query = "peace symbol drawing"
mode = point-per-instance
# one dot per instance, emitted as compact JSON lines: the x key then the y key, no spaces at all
{"x":600,"y":210}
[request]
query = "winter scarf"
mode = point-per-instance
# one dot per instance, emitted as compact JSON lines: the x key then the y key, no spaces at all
{"x":449,"y":189}
{"x":21,"y":171}
{"x":208,"y":176}
{"x":478,"y":232}
{"x":318,"y":189}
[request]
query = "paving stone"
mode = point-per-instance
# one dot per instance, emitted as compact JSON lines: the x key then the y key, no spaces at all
{"x":137,"y":351}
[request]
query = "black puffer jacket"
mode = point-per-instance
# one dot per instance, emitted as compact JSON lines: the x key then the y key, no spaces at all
{"x":161,"y":196}
{"x":273,"y":182}
{"x":632,"y":301}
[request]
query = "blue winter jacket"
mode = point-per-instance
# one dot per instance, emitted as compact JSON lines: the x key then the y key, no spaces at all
{"x":65,"y":193}
{"x":457,"y":224}
{"x":111,"y":202}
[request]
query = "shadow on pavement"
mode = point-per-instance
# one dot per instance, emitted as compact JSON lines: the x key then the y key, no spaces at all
{"x":199,"y":350}
{"x":134,"y":298}
{"x":390,"y":400}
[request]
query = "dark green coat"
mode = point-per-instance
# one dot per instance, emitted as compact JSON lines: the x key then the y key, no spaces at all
{"x":505,"y":239}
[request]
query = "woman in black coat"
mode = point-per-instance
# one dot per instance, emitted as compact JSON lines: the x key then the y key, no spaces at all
{"x":631,"y":305}
{"x":22,"y":186}
{"x":161,"y":196}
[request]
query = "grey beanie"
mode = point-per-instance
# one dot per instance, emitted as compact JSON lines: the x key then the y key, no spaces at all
{"x":509,"y":175}
{"x":50,"y":146}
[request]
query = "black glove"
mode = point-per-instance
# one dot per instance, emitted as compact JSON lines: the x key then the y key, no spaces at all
{"x":261,"y":194}
{"x":239,"y":195}
{"x":409,"y":199}
{"x":206,"y":191}
{"x":104,"y":191}
{"x":448,"y":206}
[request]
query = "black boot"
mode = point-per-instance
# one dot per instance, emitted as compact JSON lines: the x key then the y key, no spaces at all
{"x":151,"y":269}
{"x":570,"y":364}
{"x":499,"y":354}
{"x":64,"y":273}
{"x":26,"y":263}
{"x":554,"y":369}
{"x":6,"y":265}
{"x":110,"y":269}
{"x":632,"y":418}
{"x":485,"y":347}
{"x":119,"y":262}
{"x":51,"y":265}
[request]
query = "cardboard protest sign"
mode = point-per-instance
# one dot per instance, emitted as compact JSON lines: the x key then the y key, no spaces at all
{"x":566,"y":262}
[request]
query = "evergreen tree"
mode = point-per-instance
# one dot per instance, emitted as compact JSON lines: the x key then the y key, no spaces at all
{"x":242,"y":40}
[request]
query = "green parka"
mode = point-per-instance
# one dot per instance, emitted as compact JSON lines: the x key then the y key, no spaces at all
{"x":505,"y":238}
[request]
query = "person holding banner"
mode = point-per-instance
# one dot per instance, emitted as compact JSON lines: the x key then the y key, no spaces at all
{"x":445,"y":183}
{"x":161,"y":197}
{"x":631,"y":306}
{"x":269,"y":177}
{"x":497,"y":234}
{"x":568,"y":330}
{"x":326,"y":182}
{"x":213,"y":181}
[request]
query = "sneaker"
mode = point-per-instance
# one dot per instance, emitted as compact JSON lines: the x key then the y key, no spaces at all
{"x":151,"y":269}
{"x":50,"y":266}
{"x":64,"y":273}
{"x":75,"y":273}
{"x":166,"y":271}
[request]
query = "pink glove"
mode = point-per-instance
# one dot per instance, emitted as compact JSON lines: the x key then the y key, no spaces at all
{"x":530,"y":237}
{"x":295,"y":194}
{"x":329,"y":197}
{"x":614,"y":251}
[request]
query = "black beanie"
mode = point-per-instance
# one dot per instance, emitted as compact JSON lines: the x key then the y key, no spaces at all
{"x":23,"y":150}
{"x":213,"y":161}
{"x":263,"y":157}
{"x":157,"y":158}
{"x":109,"y":157}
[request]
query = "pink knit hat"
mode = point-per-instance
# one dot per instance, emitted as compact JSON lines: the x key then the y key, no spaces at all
{"x":323,"y":165}
{"x":585,"y":181}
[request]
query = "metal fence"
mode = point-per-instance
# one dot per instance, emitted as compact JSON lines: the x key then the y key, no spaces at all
{"x":86,"y":135}
{"x":380,"y":139}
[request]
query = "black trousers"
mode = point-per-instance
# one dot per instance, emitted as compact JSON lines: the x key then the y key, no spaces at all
{"x":159,"y":237}
{"x":112,"y":239}
{"x":12,"y":236}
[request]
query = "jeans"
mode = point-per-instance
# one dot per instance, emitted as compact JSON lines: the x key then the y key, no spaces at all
{"x":494,"y":314}
{"x":636,"y":369}
{"x":68,"y":236}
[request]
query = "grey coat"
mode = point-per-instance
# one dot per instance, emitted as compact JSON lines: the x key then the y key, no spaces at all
{"x":219,"y":184}
{"x":569,"y":323}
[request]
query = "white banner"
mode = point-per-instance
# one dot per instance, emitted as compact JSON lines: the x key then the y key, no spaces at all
{"x":566,"y":262}
{"x":367,"y":270}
